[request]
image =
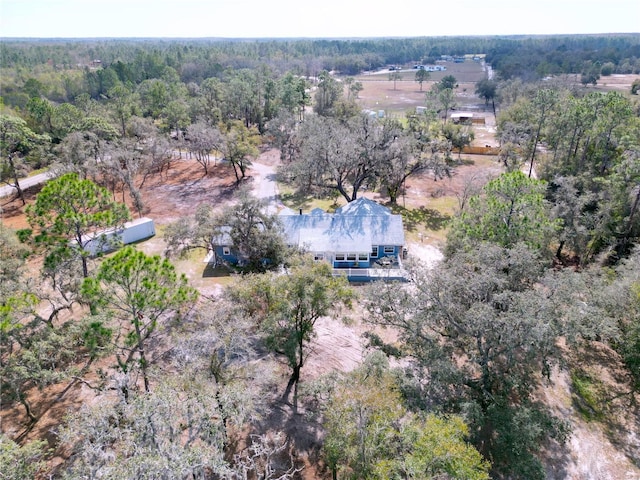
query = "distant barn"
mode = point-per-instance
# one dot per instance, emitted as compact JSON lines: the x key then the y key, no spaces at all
{"x":467,"y":118}
{"x":462,"y":117}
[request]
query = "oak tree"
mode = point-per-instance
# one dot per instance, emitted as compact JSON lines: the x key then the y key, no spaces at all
{"x":288,"y":306}
{"x":202,"y":141}
{"x":487,"y":90}
{"x":239,"y":144}
{"x":371,"y":434}
{"x":479,"y":330}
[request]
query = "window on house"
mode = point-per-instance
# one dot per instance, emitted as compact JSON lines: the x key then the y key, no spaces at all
{"x":318,"y":257}
{"x":363,"y":257}
{"x":389,"y":250}
{"x":339,"y":257}
{"x":226,"y":251}
{"x":374,"y":252}
{"x":351,"y":257}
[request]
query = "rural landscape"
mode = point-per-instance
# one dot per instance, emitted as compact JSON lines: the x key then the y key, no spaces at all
{"x":320,"y":259}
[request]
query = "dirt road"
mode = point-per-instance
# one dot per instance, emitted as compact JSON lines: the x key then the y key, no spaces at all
{"x":25,"y":183}
{"x":265,"y":186}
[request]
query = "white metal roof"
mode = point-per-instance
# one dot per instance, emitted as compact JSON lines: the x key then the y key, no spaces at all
{"x":356,"y":227}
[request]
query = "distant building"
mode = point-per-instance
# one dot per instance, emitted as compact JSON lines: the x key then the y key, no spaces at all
{"x":462,"y":117}
{"x":431,"y":68}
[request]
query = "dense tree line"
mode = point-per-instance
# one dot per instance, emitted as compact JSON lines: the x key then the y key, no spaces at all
{"x":531,"y":58}
{"x":590,"y":161}
{"x":68,"y":65}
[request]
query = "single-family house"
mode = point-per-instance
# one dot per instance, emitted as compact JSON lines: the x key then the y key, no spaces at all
{"x":362,"y":240}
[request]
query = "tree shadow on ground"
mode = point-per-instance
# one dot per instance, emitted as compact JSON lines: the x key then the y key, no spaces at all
{"x":426,"y":217}
{"x":306,"y":201}
{"x":301,"y":425}
{"x":557,"y":458}
{"x":619,"y":432}
{"x":297,"y":199}
{"x":609,"y":400}
{"x":462,"y":162}
{"x":217,"y":271}
{"x":11,"y":205}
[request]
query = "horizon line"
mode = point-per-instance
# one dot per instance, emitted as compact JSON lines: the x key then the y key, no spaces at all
{"x":359,"y":37}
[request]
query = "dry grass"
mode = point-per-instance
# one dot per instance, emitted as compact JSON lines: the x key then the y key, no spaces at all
{"x":380,"y":93}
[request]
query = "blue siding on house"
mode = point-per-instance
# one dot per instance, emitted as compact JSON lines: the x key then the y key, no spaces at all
{"x":399,"y":277}
{"x":345,"y":264}
{"x":373,"y":262}
{"x":382,"y":253}
{"x":232,"y":258}
{"x":358,"y":278}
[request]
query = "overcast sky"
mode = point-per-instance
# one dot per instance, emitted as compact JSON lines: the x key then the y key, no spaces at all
{"x":322,"y":18}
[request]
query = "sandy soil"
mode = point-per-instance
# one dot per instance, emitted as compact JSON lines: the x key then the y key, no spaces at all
{"x":603,"y":450}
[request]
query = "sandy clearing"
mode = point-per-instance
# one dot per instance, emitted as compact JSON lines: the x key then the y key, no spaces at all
{"x":428,"y":254}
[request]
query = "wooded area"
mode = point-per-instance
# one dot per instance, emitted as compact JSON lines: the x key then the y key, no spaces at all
{"x":162,"y":379}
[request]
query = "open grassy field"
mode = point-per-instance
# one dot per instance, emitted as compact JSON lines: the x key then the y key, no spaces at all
{"x":616,"y":82}
{"x":382,"y":93}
